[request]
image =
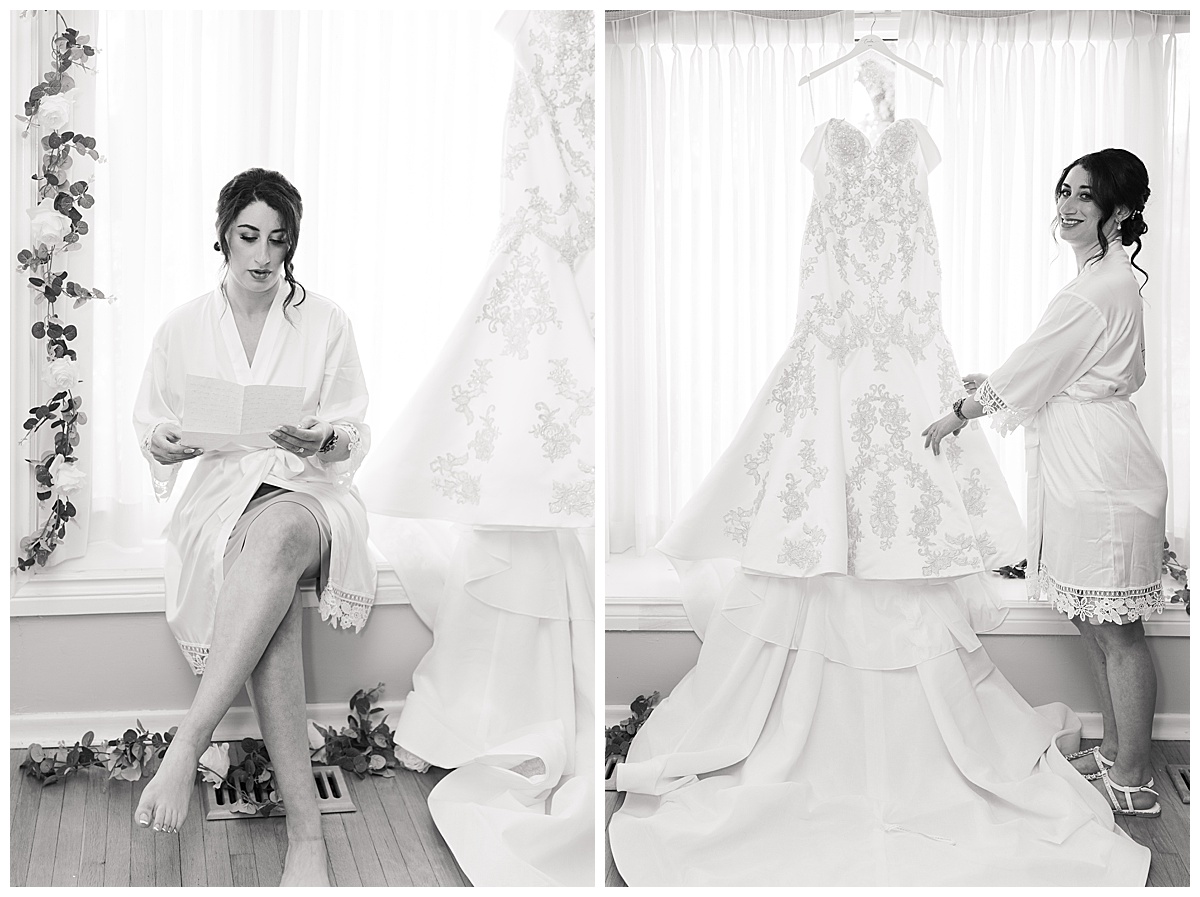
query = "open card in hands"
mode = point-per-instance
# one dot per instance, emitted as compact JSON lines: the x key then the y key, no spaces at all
{"x":220,"y":413}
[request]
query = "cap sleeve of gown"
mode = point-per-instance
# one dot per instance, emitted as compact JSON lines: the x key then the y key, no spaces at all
{"x":813,"y":151}
{"x":510,"y":24}
{"x":928,"y":148}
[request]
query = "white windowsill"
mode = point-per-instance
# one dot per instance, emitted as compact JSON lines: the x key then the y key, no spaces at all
{"x":642,"y":595}
{"x":121,"y":581}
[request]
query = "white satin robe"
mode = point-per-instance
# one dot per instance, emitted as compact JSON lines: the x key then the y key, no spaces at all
{"x":1097,"y":487}
{"x":312,"y":346}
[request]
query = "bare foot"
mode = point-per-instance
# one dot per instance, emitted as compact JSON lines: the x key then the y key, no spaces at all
{"x":165,"y":800}
{"x":307,"y":863}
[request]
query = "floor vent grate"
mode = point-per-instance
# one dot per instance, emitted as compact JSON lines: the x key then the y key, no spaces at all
{"x":1181,"y":775}
{"x":332,"y":796}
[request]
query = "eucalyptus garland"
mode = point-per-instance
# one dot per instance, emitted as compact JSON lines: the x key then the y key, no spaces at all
{"x":57,"y":224}
{"x":618,"y":738}
{"x":365,"y":746}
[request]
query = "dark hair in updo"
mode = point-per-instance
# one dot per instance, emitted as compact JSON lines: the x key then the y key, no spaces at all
{"x":261,"y":184}
{"x":1117,"y":178}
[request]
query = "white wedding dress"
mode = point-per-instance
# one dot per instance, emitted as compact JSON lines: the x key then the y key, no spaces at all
{"x":500,"y":439}
{"x":843,"y":724}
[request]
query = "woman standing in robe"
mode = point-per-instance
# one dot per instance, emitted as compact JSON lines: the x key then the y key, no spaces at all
{"x":253,"y":522}
{"x":1097,"y":487}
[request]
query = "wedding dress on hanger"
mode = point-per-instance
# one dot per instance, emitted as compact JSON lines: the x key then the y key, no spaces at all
{"x":500,"y":440}
{"x":843,"y":723}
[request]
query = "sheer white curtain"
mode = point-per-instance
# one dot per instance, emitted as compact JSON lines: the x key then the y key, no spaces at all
{"x":706,"y":201}
{"x":388,"y":123}
{"x":1025,"y":95}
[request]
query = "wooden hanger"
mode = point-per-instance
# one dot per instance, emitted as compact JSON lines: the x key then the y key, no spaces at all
{"x":864,"y":44}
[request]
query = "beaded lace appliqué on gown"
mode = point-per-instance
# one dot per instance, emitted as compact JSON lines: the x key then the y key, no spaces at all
{"x":869,"y":361}
{"x":523,"y":390}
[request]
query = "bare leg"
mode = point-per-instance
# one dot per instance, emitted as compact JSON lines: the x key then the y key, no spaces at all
{"x":1134,"y":687}
{"x":1099,"y":670}
{"x":280,"y":545}
{"x":276,"y":691}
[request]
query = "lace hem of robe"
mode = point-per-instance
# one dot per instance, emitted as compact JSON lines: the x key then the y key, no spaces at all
{"x":340,"y":609}
{"x":1111,"y":605}
{"x":345,"y":609}
{"x":1004,"y":419}
{"x":197,"y":656}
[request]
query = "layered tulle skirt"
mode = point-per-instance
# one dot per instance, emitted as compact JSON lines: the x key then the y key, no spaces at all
{"x":836,"y":731}
{"x":505,"y":699}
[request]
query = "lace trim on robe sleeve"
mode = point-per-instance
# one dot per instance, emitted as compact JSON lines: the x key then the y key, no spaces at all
{"x":162,"y":476}
{"x":1004,"y":419}
{"x":345,"y":469}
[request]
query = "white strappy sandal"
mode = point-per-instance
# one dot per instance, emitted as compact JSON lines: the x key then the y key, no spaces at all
{"x":1129,"y":791}
{"x":1102,"y":762}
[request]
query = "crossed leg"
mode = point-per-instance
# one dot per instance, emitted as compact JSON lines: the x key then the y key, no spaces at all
{"x":276,"y":689}
{"x":259,"y":591}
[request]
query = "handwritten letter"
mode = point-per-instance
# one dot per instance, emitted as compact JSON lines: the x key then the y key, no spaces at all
{"x":219,"y":413}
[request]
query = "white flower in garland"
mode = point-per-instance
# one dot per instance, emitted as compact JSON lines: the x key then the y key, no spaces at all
{"x":48,"y":225}
{"x":60,"y":374}
{"x":316,"y":742}
{"x":66,"y":475}
{"x":54,"y":111}
{"x":214,"y":764}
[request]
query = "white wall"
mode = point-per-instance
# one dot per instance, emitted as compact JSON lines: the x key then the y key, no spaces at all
{"x":104,"y":671}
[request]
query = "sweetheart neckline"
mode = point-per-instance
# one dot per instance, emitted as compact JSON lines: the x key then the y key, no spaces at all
{"x":873,"y":147}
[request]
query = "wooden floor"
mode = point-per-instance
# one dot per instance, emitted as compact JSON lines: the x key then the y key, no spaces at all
{"x":1167,"y":837}
{"x":81,"y":832}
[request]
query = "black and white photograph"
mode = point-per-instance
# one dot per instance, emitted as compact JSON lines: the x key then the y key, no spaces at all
{"x":303,"y":448}
{"x":896,"y":447}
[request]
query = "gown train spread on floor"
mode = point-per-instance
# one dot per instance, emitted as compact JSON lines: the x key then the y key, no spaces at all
{"x":841,"y":732}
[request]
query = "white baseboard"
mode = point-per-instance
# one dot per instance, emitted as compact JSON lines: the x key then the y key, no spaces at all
{"x":1167,"y":726}
{"x":50,"y":728}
